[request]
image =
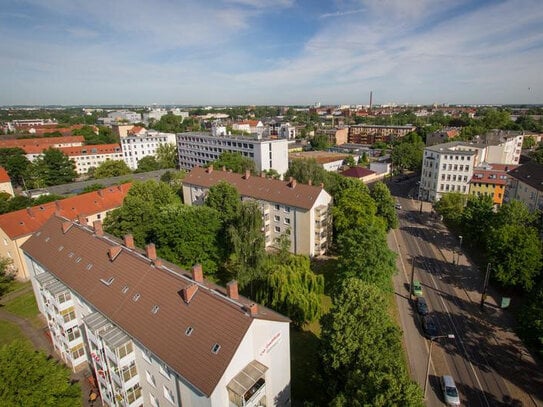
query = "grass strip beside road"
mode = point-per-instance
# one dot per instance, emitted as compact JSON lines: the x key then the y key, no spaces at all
{"x":10,"y":332}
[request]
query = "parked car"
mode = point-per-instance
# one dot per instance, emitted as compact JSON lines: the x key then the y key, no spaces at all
{"x":450,"y":393}
{"x":422,"y":307}
{"x":417,"y":288}
{"x":398,"y":205}
{"x":429,"y":326}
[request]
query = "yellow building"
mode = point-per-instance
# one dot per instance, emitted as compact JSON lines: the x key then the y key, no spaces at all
{"x":489,"y":183}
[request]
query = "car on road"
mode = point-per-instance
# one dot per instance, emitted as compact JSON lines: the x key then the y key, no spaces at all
{"x":417,"y":288}
{"x":398,"y":205}
{"x":429,"y":326}
{"x":450,"y":392}
{"x":422,"y":307}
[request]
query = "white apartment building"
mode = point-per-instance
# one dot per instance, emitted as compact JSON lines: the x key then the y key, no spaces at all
{"x":91,"y":156}
{"x":154,"y":334}
{"x":155,"y":114}
{"x":503,"y":147}
{"x":526,"y":185}
{"x":299,"y":211}
{"x":137,"y":146}
{"x":197,"y":149}
{"x":447,"y":168}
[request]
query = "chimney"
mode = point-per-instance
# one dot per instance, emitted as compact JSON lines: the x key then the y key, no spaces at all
{"x":57,"y":213}
{"x":322,"y":185}
{"x":82,"y":219}
{"x":210,"y":169}
{"x":129,"y":241}
{"x":66,"y":226}
{"x":232,"y":290}
{"x":30,"y":211}
{"x":290,"y":179}
{"x":247,"y":174}
{"x":100,"y":193}
{"x":292,"y":183}
{"x":197,"y":273}
{"x":57,"y":205}
{"x":253,"y":309}
{"x":98,"y":231}
{"x":223,"y":168}
{"x":151,"y":251}
{"x":309,"y":182}
{"x":262,"y":174}
{"x":188,"y":292}
{"x":157,"y":262}
{"x":113,"y":252}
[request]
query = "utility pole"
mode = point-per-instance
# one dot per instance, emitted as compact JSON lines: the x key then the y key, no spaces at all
{"x":485,"y":285}
{"x":412,"y":277}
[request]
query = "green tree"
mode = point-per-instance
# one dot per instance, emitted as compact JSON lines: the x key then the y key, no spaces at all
{"x":320,"y":142}
{"x":353,"y":208}
{"x":450,"y":206}
{"x":6,"y":274}
{"x":364,"y":253}
{"x":146,"y":164}
{"x":31,"y":378}
{"x":407,"y":156}
{"x":385,"y":204}
{"x":16,"y":164}
{"x":54,"y":167}
{"x":235,"y":162}
{"x":349,"y":161}
{"x":140,"y":210}
{"x":528,"y":142}
{"x":515,"y":254}
{"x":531,"y":320}
{"x":225,"y":199}
{"x":187,"y":235}
{"x":166,"y":155}
{"x":303,"y":171}
{"x":290,"y":287}
{"x":247,"y":245}
{"x":111,"y":168}
{"x":515,"y":213}
{"x":477,"y":218}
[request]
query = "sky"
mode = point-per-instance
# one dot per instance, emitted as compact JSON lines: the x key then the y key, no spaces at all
{"x":270,"y":52}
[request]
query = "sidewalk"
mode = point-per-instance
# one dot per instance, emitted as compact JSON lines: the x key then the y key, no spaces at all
{"x":513,"y":361}
{"x":40,"y":339}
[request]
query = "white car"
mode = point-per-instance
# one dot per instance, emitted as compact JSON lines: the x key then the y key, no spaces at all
{"x":450,"y":393}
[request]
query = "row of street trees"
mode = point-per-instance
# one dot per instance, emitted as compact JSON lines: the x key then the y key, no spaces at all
{"x":510,"y":240}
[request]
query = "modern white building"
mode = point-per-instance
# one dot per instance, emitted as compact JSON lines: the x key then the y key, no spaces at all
{"x":154,"y":334}
{"x":299,"y":211}
{"x":143,"y":144}
{"x":155,"y":114}
{"x":502,"y":147}
{"x":197,"y":149}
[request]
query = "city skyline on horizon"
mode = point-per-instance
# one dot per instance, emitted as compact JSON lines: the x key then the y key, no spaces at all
{"x":266,"y":52}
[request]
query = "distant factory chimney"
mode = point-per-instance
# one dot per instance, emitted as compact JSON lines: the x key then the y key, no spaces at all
{"x":371,"y":98}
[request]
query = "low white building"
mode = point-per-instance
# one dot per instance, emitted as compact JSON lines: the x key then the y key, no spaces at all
{"x":154,"y":334}
{"x":91,"y":156}
{"x":144,"y":143}
{"x":197,"y":149}
{"x":299,"y":211}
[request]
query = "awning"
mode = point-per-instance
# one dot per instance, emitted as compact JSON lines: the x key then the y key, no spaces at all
{"x":246,"y":379}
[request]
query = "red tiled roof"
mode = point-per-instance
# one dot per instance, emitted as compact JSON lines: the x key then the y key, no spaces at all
{"x":266,"y":189}
{"x":36,"y":145}
{"x":91,"y":149}
{"x":357,"y":172}
{"x":4,"y":177}
{"x":26,"y":221}
{"x":488,"y":177}
{"x":214,"y":318}
{"x":136,"y":129}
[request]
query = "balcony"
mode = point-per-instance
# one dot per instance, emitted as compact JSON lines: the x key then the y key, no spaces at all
{"x":248,"y":387}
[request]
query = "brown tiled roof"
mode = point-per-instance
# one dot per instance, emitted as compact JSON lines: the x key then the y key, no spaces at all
{"x":91,"y":149}
{"x":215,"y":319}
{"x":266,"y":189}
{"x":4,"y":177}
{"x":357,"y":172}
{"x":26,"y":221}
{"x":322,"y":157}
{"x":530,"y":173}
{"x":488,"y":177}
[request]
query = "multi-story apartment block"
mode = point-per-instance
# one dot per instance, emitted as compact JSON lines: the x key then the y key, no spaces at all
{"x":502,"y":147}
{"x":489,"y":181}
{"x":154,"y":334}
{"x":447,"y":168}
{"x":370,"y":134}
{"x":198,"y":149}
{"x":526,"y":185}
{"x":16,"y":227}
{"x":336,"y":137}
{"x":299,"y":211}
{"x":137,"y":145}
{"x":91,"y":156}
{"x":5,"y":183}
{"x":249,"y":126}
{"x":34,"y":147}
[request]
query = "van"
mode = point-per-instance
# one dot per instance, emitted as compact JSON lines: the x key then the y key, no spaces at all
{"x":450,"y":393}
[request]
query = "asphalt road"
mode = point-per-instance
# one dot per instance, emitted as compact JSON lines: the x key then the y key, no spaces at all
{"x":475,"y":358}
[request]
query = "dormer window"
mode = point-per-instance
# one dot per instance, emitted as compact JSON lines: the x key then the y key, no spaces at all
{"x":215,"y":349}
{"x":189,"y":330}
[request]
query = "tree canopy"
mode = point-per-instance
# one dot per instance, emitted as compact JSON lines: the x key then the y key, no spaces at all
{"x":53,"y":167}
{"x":235,"y":162}
{"x":31,"y":378}
{"x":166,"y":155}
{"x":148,"y":163}
{"x":304,"y":170}
{"x":111,"y":168}
{"x":385,"y":204}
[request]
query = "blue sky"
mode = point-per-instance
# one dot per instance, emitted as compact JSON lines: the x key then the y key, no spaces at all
{"x":270,"y":51}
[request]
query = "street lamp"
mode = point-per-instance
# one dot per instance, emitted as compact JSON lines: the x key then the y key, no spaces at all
{"x":432,"y":339}
{"x":459,"y":250}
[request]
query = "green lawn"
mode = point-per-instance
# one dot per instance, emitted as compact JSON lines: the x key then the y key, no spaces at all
{"x":24,"y":306}
{"x":9,"y":332}
{"x":16,"y":285}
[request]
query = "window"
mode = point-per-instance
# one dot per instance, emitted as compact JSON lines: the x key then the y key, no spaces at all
{"x":129,"y":372}
{"x":277,"y":218}
{"x":66,"y":296}
{"x":124,"y":350}
{"x":277,"y":229}
{"x":78,"y":351}
{"x":287,"y":221}
{"x":164,"y":371}
{"x":133,"y":393}
{"x":154,"y":401}
{"x":73,"y":333}
{"x":287,"y":209}
{"x":189,"y":330}
{"x":146,"y":356}
{"x":69,"y":316}
{"x":215,"y":348}
{"x":277,"y":207}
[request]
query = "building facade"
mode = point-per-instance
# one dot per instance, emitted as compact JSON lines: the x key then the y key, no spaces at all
{"x":488,"y":182}
{"x":5,"y":183}
{"x":198,"y":149}
{"x":371,"y":134}
{"x":526,"y":185}
{"x":143,"y":144}
{"x":91,"y":156}
{"x":17,"y":227}
{"x":154,"y":334}
{"x":302,"y":212}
